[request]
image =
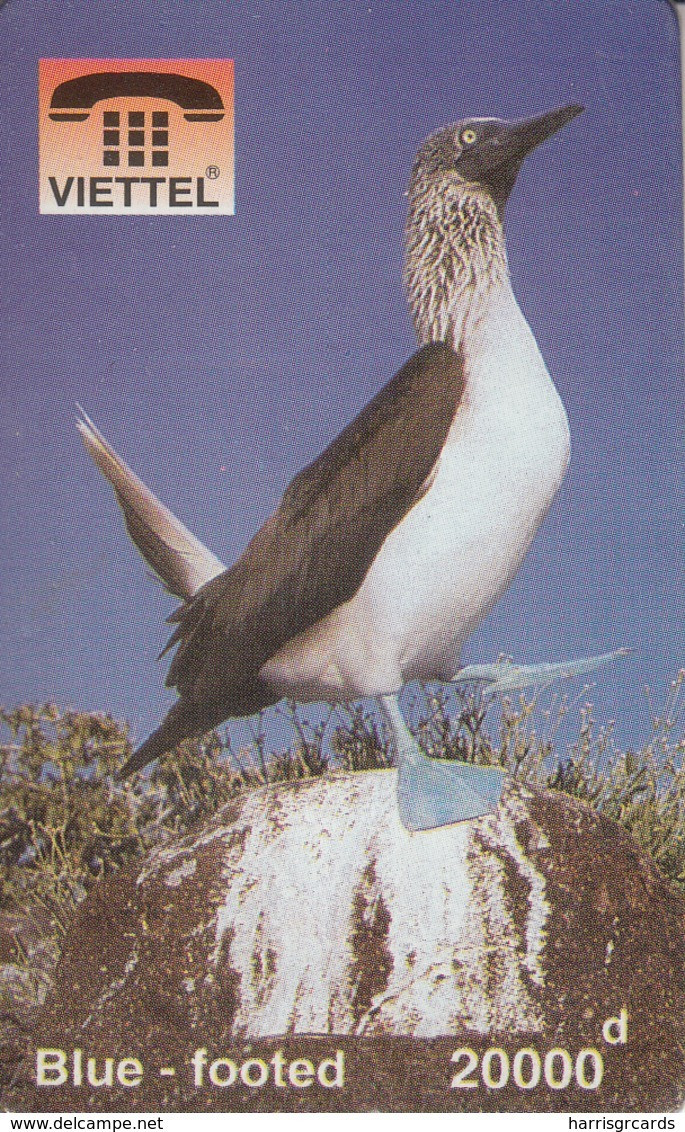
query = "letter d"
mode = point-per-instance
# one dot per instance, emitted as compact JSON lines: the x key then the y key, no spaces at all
{"x":337,"y":1064}
{"x":615,"y":1030}
{"x":51,"y":1066}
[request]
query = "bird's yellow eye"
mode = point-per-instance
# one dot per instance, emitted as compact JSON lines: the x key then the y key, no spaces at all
{"x":468,"y":136}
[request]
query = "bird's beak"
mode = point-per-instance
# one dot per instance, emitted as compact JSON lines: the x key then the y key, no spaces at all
{"x":499,"y":158}
{"x":517,"y":139}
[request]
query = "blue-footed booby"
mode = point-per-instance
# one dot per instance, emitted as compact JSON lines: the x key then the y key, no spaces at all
{"x":389,"y":549}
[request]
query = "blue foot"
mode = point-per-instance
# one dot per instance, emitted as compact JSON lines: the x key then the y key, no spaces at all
{"x":436,"y":792}
{"x":505,"y":676}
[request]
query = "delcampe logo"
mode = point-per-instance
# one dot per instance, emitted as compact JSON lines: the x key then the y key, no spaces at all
{"x":136,"y":136}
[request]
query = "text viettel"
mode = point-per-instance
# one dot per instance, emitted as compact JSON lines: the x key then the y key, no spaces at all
{"x":153,"y":192}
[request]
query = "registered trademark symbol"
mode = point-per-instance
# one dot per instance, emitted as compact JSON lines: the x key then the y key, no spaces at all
{"x":212,"y":172}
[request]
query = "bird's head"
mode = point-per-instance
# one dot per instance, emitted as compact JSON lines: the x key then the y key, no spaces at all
{"x":485,"y":153}
{"x":454,"y":237}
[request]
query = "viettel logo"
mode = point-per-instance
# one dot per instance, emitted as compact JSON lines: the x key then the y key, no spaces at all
{"x":132,"y":136}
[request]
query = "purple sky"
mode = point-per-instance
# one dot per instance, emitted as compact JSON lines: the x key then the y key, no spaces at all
{"x":219,"y":355}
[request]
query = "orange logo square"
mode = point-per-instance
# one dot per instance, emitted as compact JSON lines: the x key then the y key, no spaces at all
{"x":136,"y":136}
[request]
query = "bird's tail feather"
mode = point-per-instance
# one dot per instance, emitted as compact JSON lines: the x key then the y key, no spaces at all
{"x":182,"y":562}
{"x":183,"y":721}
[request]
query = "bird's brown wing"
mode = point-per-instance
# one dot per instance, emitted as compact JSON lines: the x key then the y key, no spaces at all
{"x":314,"y":551}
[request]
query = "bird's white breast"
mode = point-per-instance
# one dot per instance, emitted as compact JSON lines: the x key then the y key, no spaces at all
{"x":442,"y":568}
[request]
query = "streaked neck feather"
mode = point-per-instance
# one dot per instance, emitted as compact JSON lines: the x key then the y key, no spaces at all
{"x":455,"y":254}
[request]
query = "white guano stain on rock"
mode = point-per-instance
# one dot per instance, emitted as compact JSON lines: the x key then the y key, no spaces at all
{"x":176,"y":876}
{"x":511,"y":812}
{"x":114,"y":987}
{"x":457,"y":951}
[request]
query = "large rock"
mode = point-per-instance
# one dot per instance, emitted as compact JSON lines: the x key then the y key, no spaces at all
{"x":306,"y":919}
